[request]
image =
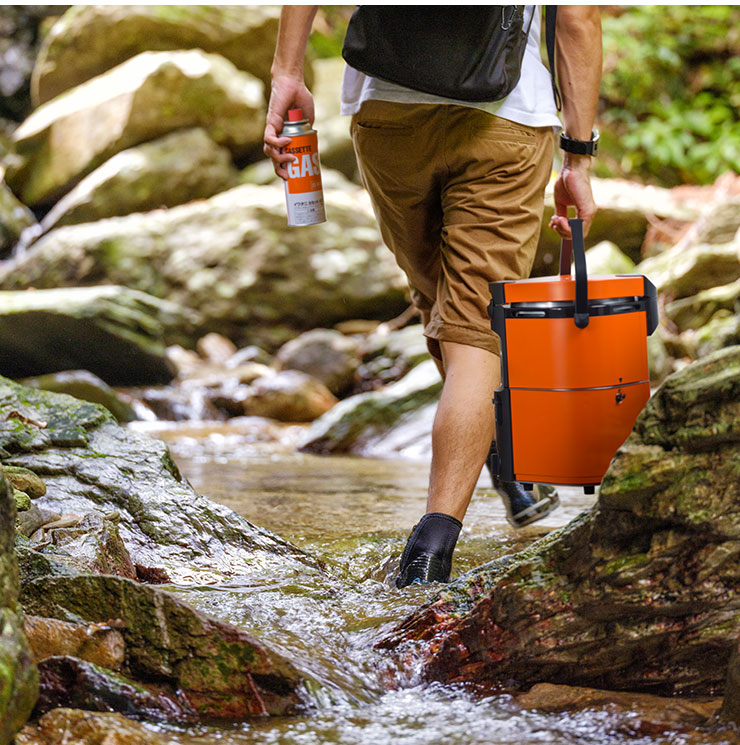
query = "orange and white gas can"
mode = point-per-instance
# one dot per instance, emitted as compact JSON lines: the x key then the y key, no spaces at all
{"x":304,"y":194}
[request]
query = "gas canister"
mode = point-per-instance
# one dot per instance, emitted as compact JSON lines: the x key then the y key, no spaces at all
{"x":574,"y":369}
{"x":304,"y":195}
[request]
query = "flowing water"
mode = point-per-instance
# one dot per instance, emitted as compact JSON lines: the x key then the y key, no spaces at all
{"x":354,"y":515}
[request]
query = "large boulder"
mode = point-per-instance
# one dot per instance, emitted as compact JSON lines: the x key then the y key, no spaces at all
{"x":637,"y":594}
{"x":165,"y":172}
{"x":209,"y":667}
{"x":145,"y":97}
{"x":91,"y":464}
{"x":18,"y":676}
{"x":685,"y":270}
{"x":233,"y":259}
{"x":115,"y":333}
{"x":90,"y":39}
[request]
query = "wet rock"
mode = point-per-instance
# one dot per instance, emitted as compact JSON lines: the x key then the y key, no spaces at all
{"x":216,"y":669}
{"x":360,"y":422}
{"x":63,"y":726}
{"x":18,"y":676}
{"x":47,"y":561}
{"x":72,"y":683}
{"x":25,"y":480}
{"x":324,"y":354}
{"x":83,"y":384}
{"x":147,"y":96}
{"x":15,"y":217}
{"x":606,"y":258}
{"x":114,"y":332}
{"x":637,"y":594}
{"x":165,"y":172}
{"x":90,"y":39}
{"x":651,"y":715}
{"x":233,"y":259}
{"x":95,"y":542}
{"x":98,"y":643}
{"x":289,"y":396}
{"x":91,"y":464}
{"x":177,"y":403}
{"x":30,"y":520}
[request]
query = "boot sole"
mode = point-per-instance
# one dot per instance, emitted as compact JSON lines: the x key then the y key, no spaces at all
{"x":535,"y":512}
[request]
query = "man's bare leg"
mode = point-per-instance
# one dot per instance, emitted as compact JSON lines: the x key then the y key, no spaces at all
{"x":461,"y":439}
{"x":463,"y":426}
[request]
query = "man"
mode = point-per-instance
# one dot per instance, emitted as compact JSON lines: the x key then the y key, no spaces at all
{"x":458,"y":189}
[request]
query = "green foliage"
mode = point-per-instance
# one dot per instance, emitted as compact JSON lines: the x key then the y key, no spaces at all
{"x":329,"y":29}
{"x":671,"y":90}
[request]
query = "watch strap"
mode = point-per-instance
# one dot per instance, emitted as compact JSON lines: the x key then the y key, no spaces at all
{"x":580,"y":147}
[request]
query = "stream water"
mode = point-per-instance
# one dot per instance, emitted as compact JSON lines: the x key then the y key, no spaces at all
{"x":354,"y":514}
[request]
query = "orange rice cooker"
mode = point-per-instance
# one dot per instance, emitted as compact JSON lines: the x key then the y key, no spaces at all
{"x":574,"y":369}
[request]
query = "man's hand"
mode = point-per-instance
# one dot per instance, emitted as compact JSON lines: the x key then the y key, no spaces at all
{"x":288,"y":89}
{"x":573,"y":187}
{"x":287,"y":93}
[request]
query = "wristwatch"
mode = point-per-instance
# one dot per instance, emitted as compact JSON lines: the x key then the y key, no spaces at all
{"x":580,"y":147}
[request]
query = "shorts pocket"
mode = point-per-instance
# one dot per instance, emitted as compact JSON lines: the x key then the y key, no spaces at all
{"x":502,"y":130}
{"x":378,"y":126}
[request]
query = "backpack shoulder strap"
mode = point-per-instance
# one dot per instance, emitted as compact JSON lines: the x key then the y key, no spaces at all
{"x":551,"y":14}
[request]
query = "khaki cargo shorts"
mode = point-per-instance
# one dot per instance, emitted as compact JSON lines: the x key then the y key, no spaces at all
{"x":459,"y":196}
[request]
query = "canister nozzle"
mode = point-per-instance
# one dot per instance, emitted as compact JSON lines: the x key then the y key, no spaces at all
{"x":295,"y":115}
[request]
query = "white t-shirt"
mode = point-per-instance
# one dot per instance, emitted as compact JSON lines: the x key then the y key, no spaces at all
{"x":531,"y":102}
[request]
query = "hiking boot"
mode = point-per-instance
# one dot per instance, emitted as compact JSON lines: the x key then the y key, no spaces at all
{"x":428,"y":553}
{"x":523,"y":507}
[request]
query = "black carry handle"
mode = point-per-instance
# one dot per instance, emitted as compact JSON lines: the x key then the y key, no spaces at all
{"x":576,"y":248}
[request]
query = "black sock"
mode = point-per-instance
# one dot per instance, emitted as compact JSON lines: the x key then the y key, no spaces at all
{"x":436,"y":533}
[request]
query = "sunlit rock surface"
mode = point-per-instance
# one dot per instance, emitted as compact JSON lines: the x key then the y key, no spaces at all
{"x":145,"y":97}
{"x":233,"y":260}
{"x":90,"y":39}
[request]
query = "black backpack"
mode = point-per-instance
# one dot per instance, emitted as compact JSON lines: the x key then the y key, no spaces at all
{"x":464,"y":52}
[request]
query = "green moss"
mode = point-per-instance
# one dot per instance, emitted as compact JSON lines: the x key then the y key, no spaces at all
{"x":22,"y":500}
{"x":622,"y":563}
